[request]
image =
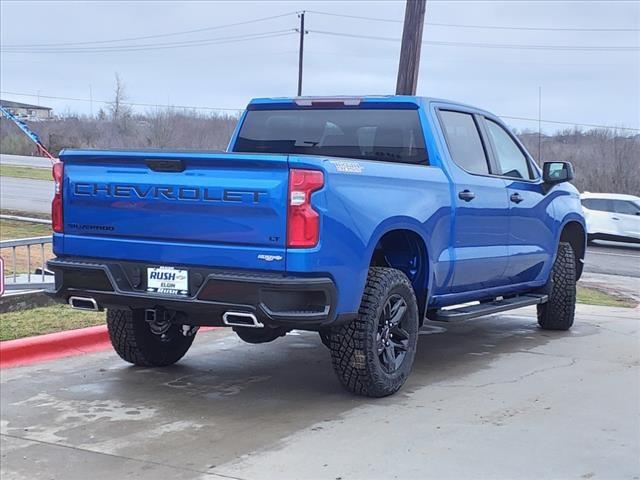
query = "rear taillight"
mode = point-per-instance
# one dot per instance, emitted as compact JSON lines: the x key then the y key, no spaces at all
{"x":56,"y":204}
{"x":303,"y":222}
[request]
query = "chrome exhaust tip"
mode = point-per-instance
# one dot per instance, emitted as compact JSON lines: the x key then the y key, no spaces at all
{"x":84,"y":303}
{"x":241,"y":319}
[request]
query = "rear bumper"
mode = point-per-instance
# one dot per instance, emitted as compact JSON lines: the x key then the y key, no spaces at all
{"x":275,"y":299}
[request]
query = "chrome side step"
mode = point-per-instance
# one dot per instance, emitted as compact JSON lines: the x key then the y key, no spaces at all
{"x":489,"y":308}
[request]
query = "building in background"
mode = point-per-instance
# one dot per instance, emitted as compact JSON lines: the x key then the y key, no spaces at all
{"x":25,"y":111}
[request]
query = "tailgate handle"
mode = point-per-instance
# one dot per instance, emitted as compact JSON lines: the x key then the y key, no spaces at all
{"x":166,"y":165}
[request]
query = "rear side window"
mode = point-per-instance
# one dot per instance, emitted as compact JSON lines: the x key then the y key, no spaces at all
{"x":463,"y":140}
{"x":625,"y":207}
{"x":511,"y":161}
{"x":368,"y":134}
{"x":600,"y":204}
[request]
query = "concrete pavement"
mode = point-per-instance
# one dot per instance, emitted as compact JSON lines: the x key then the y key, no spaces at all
{"x":25,"y":194}
{"x":24,"y":161}
{"x":489,"y":398}
{"x":611,"y":258}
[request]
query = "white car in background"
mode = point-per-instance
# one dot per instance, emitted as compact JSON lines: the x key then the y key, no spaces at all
{"x":612,"y":216}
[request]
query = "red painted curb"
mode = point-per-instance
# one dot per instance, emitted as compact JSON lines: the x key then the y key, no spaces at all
{"x":25,"y":351}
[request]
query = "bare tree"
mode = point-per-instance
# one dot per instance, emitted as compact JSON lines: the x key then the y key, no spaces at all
{"x":161,"y":128}
{"x":120,"y":110}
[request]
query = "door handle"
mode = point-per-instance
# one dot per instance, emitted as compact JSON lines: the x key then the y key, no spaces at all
{"x":516,"y":198}
{"x":466,"y":195}
{"x":615,"y":218}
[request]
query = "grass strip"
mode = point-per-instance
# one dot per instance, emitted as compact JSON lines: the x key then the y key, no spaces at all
{"x":38,"y":321}
{"x":25,"y":172}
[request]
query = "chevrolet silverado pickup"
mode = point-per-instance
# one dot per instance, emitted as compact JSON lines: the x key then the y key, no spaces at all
{"x":354,"y":217}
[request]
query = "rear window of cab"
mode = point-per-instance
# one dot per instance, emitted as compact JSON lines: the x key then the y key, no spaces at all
{"x":387,"y":135}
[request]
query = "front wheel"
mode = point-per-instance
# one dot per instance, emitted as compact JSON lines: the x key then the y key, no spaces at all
{"x":559,"y":311}
{"x":134,"y":340}
{"x":373,"y":354}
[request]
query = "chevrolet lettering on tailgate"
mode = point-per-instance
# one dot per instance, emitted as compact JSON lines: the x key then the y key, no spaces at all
{"x":207,"y":194}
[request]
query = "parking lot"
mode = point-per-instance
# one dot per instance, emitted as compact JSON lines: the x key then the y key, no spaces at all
{"x":489,"y":398}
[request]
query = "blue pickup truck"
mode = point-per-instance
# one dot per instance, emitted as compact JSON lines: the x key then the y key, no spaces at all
{"x":356,"y":218}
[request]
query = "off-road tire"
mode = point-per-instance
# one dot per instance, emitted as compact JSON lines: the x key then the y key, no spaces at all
{"x":133,"y":340}
{"x":259,"y":335}
{"x":559,"y":311}
{"x":354,"y":350}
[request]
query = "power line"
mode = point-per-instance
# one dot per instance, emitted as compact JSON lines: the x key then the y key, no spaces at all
{"x":192,"y":107}
{"x":489,"y":45}
{"x":146,"y":37}
{"x":160,"y":46}
{"x":493,"y":27}
{"x":153,"y":105}
{"x":590,"y":125}
{"x":271,"y":34}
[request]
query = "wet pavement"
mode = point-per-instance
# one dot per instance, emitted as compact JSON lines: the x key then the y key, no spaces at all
{"x":489,"y":398}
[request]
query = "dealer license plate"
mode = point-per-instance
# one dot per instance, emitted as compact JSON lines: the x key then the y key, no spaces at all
{"x":167,"y":280}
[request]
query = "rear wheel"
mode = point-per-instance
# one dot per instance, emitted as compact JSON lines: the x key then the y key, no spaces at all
{"x":559,"y":311}
{"x":373,"y":355}
{"x":146,"y":345}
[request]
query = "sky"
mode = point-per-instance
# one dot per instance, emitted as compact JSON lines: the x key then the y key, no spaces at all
{"x":590,"y":84}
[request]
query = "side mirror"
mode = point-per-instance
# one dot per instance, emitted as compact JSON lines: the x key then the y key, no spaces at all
{"x":557,"y":172}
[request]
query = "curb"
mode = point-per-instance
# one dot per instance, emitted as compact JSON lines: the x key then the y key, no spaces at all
{"x":52,"y":346}
{"x":26,"y":351}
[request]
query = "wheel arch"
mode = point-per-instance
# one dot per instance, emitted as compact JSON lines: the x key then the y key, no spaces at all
{"x":404,"y":247}
{"x":574,"y":233}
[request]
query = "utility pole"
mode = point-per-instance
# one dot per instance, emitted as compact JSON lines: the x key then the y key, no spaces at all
{"x":410,"y":50}
{"x":539,"y":125}
{"x":301,"y":52}
{"x":90,"y":101}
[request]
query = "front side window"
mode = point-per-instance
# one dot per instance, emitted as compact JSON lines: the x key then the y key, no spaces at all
{"x":370,"y":134}
{"x":463,"y":140}
{"x":511,"y":161}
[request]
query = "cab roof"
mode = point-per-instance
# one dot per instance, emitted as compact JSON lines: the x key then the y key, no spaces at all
{"x":399,"y":101}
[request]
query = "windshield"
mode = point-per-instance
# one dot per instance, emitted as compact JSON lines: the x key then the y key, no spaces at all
{"x":368,"y":134}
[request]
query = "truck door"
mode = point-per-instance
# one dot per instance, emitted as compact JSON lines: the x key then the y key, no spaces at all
{"x":532,"y":240}
{"x":481,"y":222}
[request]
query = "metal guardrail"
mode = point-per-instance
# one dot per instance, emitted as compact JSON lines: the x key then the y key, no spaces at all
{"x":28,"y":281}
{"x":25,"y":219}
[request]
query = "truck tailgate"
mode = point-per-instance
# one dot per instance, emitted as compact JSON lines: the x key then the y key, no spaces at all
{"x":155,"y":203}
